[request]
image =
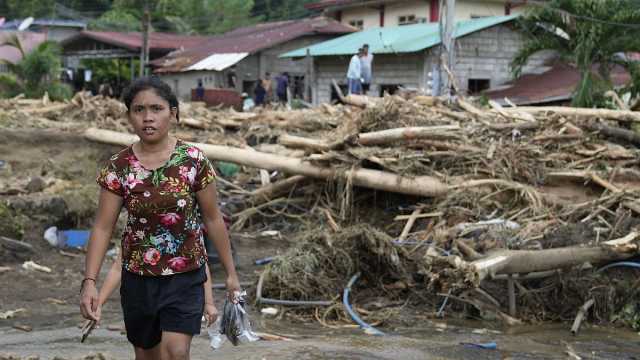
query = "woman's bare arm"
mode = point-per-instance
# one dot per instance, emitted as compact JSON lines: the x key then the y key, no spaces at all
{"x":109,"y":206}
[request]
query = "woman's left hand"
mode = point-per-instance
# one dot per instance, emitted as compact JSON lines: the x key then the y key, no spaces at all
{"x":210,"y":313}
{"x":233,"y":287}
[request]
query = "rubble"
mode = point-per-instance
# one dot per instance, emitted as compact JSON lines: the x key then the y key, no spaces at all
{"x":420,"y":196}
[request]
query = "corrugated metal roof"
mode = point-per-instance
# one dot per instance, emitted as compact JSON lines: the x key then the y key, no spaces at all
{"x":218,"y":62}
{"x":557,"y":84}
{"x":133,"y":40}
{"x":251,"y":40}
{"x":396,"y":39}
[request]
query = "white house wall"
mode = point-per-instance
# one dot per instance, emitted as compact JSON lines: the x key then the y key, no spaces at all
{"x":392,"y":12}
{"x":465,"y":9}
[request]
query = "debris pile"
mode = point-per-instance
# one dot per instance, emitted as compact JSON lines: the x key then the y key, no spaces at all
{"x":501,"y":208}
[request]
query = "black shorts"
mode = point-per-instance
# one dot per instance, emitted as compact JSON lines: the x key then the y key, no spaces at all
{"x":152,"y":305}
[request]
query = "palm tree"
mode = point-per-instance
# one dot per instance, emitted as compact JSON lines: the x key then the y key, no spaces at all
{"x":586,"y":34}
{"x":36,"y":72}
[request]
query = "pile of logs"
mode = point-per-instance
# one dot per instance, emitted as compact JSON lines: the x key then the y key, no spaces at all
{"x":540,"y":168}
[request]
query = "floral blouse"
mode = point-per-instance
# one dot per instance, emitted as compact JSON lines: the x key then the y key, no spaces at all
{"x":164,"y":231}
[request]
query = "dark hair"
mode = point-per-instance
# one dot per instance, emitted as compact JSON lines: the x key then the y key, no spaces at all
{"x":151,"y":83}
{"x":365,"y":46}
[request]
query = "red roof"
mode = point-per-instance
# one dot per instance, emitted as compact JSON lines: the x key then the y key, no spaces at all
{"x":556,"y":84}
{"x":323,"y":4}
{"x":250,"y":40}
{"x":29,"y":41}
{"x":133,"y":40}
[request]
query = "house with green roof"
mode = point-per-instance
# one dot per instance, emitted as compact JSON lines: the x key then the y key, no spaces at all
{"x":407,"y":56}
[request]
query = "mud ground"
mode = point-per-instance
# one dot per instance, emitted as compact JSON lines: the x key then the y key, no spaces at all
{"x":51,"y":299}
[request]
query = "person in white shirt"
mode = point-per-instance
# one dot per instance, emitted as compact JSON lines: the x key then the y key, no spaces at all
{"x":365,"y":64}
{"x":354,"y":74}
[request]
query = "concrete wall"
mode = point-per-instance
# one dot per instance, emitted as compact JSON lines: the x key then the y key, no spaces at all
{"x":488,"y":54}
{"x":419,"y":8}
{"x":369,"y":15}
{"x":465,"y":9}
{"x":482,"y":55}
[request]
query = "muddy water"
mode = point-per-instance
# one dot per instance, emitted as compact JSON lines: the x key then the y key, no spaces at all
{"x":430,"y":340}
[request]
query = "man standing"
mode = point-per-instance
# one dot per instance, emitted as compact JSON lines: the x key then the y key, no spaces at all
{"x":354,"y":74}
{"x":199,"y":91}
{"x":365,"y":63}
{"x":282,"y":85}
{"x":266,"y":84}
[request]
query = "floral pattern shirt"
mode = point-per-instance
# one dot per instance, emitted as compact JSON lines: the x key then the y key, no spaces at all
{"x":164,"y":231}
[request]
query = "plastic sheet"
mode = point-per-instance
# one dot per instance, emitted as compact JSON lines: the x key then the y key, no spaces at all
{"x":234,"y":324}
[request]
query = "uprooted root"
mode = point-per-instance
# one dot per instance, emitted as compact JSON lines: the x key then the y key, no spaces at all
{"x":322,"y":263}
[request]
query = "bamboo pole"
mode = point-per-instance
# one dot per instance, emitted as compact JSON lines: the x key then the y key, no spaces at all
{"x":374,"y":179}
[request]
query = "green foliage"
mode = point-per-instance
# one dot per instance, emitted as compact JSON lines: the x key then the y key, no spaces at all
{"x":9,"y":86}
{"x":59,"y":91}
{"x":11,"y":223}
{"x":36,"y":72}
{"x":116,"y":19}
{"x":584,"y":33}
{"x":274,"y":10}
{"x":225,"y":15}
{"x":630,"y":315}
{"x":26,"y":8}
{"x":105,"y":70}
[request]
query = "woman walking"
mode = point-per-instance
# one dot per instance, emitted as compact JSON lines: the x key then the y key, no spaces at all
{"x":168,"y":189}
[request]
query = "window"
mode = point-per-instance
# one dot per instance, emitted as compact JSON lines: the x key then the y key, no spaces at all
{"x":476,"y":86}
{"x":357,"y":23}
{"x":406,"y":19}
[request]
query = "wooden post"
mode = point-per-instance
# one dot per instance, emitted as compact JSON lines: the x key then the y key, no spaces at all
{"x":307,"y":77}
{"x":144,"y":49}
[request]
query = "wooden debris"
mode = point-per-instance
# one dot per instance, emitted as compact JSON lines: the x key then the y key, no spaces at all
{"x":30,"y":265}
{"x":276,"y":189}
{"x":11,"y":313}
{"x":422,"y":186}
{"x":582,"y":312}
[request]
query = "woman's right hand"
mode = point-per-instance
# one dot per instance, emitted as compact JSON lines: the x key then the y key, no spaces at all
{"x":89,"y":301}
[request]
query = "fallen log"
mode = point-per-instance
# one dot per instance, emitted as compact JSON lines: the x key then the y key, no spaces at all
{"x":198,"y":124}
{"x":615,"y":133}
{"x":48,"y":109}
{"x":408,"y":133}
{"x":527,"y":261}
{"x":299,"y":142}
{"x":618,"y":115}
{"x":374,"y":138}
{"x":374,"y":179}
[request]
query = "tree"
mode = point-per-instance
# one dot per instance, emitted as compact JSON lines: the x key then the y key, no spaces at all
{"x":274,"y":10}
{"x":25,"y":8}
{"x":36,"y":72}
{"x":586,"y":34}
